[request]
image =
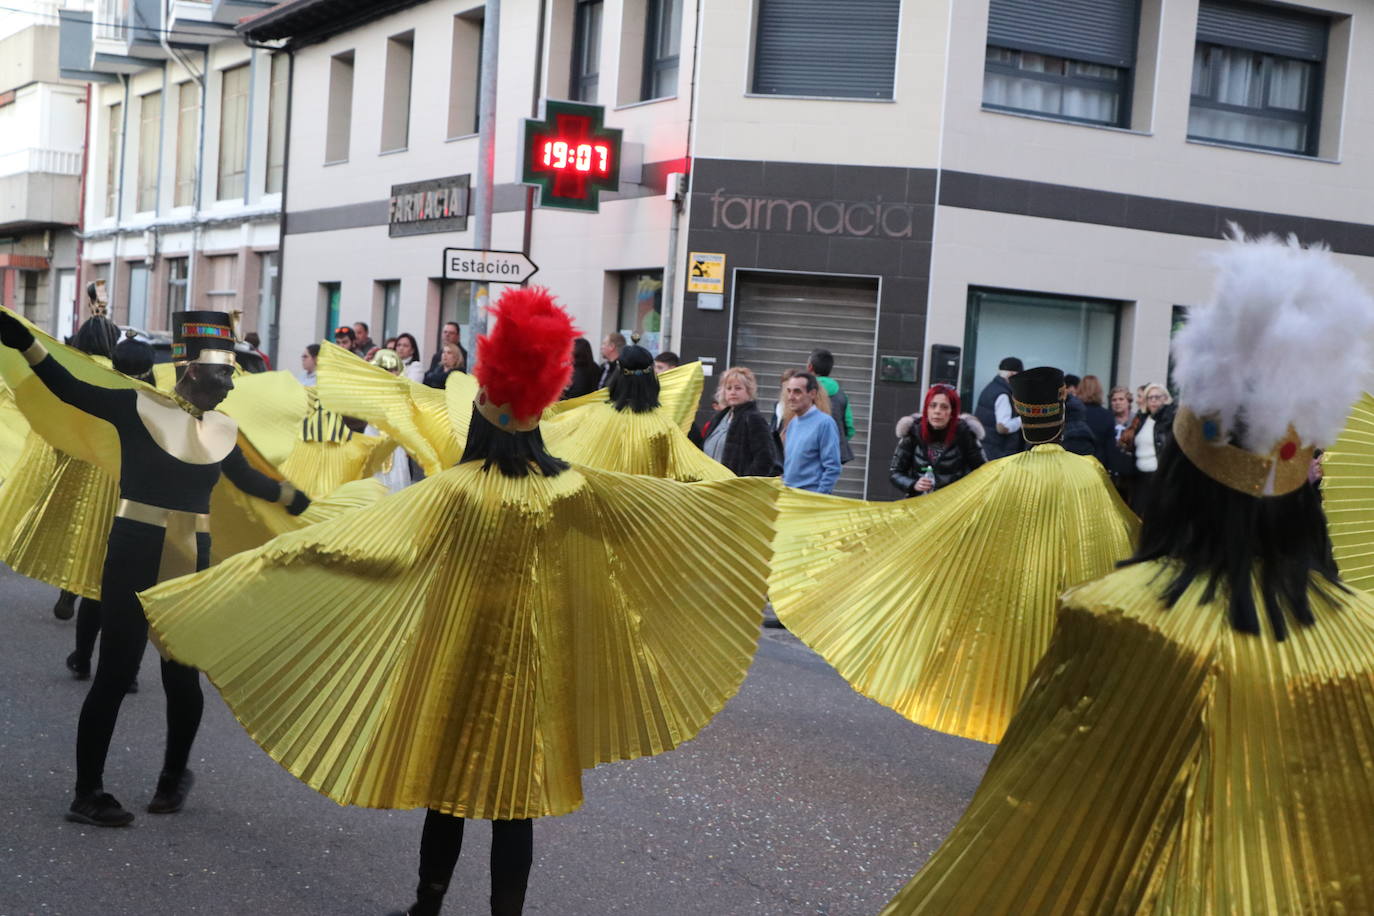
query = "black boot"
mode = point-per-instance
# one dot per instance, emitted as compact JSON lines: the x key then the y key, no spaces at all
{"x":65,"y":606}
{"x":429,"y":899}
{"x":79,"y":667}
{"x":99,"y":809}
{"x":172,"y":789}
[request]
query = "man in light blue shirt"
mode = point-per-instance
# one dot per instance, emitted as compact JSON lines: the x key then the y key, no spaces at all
{"x":811,"y":448}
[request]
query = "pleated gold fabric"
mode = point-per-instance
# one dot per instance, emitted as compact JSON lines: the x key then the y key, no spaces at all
{"x":269,"y":408}
{"x":55,"y":515}
{"x":679,"y":396}
{"x":473,"y":642}
{"x":1348,"y":495}
{"x":631,"y":443}
{"x":14,"y":431}
{"x":940,"y":606}
{"x":431,"y":425}
{"x":321,"y":467}
{"x":1162,"y":762}
{"x":240,"y":522}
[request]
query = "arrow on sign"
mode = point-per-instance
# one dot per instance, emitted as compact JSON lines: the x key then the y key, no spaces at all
{"x":482,"y":266}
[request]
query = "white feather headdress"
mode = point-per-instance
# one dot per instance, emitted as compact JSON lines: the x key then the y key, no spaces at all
{"x":1284,"y":343}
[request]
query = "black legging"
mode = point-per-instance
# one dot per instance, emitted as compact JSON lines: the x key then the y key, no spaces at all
{"x":512,"y":851}
{"x":131,"y":564}
{"x":88,"y":631}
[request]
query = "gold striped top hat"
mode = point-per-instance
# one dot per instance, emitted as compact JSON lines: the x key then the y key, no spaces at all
{"x":1037,"y":395}
{"x":202,"y":337}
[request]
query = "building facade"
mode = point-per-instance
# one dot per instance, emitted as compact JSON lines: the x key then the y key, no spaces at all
{"x":922,"y":188}
{"x":42,"y":123}
{"x":186,"y":160}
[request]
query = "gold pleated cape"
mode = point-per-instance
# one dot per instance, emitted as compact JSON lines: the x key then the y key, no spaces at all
{"x":473,"y":642}
{"x":679,"y":396}
{"x":55,"y":515}
{"x":940,"y":606}
{"x":14,"y":431}
{"x":431,"y":425}
{"x":1348,"y":495}
{"x":1162,"y":762}
{"x":647,"y":443}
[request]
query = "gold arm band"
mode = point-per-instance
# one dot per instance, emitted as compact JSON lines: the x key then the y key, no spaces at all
{"x":1280,"y":472}
{"x":287,"y":494}
{"x":35,"y":353}
{"x":500,"y":415}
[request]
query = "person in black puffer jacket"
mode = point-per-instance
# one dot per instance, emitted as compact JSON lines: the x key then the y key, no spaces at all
{"x":937,"y":447}
{"x":738,"y":436}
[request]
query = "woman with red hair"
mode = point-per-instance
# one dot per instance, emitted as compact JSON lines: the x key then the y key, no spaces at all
{"x":937,"y":446}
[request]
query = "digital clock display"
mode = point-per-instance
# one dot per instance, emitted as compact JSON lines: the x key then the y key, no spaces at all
{"x":570,"y":155}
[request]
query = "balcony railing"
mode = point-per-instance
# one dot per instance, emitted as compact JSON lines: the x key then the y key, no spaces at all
{"x":49,"y":161}
{"x":111,"y":20}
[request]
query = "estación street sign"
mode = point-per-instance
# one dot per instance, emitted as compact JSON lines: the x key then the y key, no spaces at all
{"x":481,"y":266}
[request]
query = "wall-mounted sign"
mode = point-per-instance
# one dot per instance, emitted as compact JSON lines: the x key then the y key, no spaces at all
{"x":570,"y":155}
{"x":898,"y":369}
{"x":437,"y":205}
{"x":487,"y":266}
{"x":705,"y":272}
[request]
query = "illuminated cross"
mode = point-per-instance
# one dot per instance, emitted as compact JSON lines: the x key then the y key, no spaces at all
{"x":570,"y":155}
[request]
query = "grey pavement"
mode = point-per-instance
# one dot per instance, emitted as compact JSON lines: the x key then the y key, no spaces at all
{"x":800,"y":797}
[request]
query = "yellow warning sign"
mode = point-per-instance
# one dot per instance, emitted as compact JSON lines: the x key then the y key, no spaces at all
{"x":705,"y":272}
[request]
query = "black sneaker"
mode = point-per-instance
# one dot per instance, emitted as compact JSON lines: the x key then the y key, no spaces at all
{"x":99,"y":809}
{"x":65,"y":606}
{"x":172,"y":789}
{"x":78,"y":666}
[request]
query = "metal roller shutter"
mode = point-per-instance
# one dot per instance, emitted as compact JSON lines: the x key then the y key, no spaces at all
{"x":781,"y":318}
{"x":824,"y":48}
{"x":1102,"y":32}
{"x":1262,"y":28}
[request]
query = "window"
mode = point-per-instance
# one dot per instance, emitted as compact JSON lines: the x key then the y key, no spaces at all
{"x":276,"y":123}
{"x":465,"y":76}
{"x":188,"y":117}
{"x":400,"y":50}
{"x":586,"y":52}
{"x":176,"y":286}
{"x":826,"y":49}
{"x":221,"y":282}
{"x":1079,"y":335}
{"x":1066,"y":60}
{"x":149,"y":149}
{"x":1256,"y":77}
{"x":662,"y":38}
{"x":641,"y":306}
{"x":233,"y":133}
{"x":329,"y":308}
{"x":387,"y":299}
{"x":340,"y":107}
{"x":113,"y":132}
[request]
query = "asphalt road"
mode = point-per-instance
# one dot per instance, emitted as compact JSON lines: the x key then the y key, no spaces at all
{"x":800,"y":797}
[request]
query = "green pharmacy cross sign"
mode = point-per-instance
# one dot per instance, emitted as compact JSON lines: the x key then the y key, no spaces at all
{"x":570,"y":155}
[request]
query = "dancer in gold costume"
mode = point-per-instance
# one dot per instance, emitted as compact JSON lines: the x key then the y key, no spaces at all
{"x":1197,"y":739}
{"x":940,"y":607}
{"x":628,"y":431}
{"x":473,"y":642}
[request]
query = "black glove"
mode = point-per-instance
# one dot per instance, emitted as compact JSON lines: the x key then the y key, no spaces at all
{"x":299,"y":503}
{"x":13,"y":333}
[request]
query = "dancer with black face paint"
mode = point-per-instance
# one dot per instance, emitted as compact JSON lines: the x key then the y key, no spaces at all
{"x":172,"y":451}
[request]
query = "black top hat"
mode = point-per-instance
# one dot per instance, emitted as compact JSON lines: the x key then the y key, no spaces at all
{"x":1038,"y":397}
{"x":202,"y":337}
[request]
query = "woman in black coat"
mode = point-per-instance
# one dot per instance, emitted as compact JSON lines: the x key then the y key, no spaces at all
{"x":738,"y":436}
{"x":586,"y":373}
{"x":1099,"y":419}
{"x":936,"y":448}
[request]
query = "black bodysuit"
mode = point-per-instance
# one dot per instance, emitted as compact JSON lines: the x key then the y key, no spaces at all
{"x":169,"y":459}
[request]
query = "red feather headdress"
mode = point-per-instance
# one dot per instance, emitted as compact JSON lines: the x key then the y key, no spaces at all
{"x":525,"y":362}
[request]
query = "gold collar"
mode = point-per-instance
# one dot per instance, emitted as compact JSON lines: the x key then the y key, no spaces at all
{"x":186,"y":405}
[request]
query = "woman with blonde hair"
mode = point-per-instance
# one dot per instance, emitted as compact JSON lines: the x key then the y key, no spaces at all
{"x":1155,"y":432}
{"x":739,"y":436}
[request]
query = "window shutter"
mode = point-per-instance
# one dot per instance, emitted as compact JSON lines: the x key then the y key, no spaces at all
{"x":1101,"y":32}
{"x":828,"y":49}
{"x":1266,"y":29}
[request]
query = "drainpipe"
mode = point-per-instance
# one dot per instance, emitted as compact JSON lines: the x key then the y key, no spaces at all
{"x":677,"y":196}
{"x":81,"y":217}
{"x":119,"y":195}
{"x":486,"y":159}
